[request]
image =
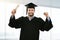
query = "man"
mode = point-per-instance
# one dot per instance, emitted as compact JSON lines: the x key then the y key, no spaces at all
{"x":30,"y":25}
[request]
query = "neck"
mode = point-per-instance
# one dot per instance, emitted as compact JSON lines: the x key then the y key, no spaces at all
{"x":30,"y":17}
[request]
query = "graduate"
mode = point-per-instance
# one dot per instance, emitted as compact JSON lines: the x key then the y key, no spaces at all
{"x":30,"y":25}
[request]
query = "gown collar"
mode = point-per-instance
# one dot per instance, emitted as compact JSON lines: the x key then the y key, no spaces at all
{"x":30,"y":18}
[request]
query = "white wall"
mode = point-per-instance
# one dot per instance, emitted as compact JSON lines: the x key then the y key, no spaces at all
{"x":9,"y":33}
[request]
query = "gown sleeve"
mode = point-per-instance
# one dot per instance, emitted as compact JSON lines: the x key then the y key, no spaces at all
{"x":48,"y":24}
{"x":15,"y":23}
{"x":45,"y":25}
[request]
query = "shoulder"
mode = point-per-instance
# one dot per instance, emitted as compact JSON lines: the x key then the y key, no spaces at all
{"x":21,"y":17}
{"x":39,"y":19}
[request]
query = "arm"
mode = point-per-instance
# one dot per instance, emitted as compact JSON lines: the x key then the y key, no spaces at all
{"x":15,"y":23}
{"x":45,"y":25}
{"x":48,"y":24}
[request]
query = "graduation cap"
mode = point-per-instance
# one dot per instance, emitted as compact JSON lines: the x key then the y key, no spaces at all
{"x":30,"y":5}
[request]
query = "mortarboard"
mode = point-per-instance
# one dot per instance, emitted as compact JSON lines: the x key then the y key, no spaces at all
{"x":31,"y":5}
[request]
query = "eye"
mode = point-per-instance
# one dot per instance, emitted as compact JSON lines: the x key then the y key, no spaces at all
{"x":29,"y":10}
{"x":32,"y":10}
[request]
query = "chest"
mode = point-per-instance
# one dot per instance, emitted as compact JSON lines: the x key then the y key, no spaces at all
{"x":31,"y":24}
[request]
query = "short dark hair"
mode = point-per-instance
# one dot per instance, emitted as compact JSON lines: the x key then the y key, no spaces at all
{"x":30,"y":7}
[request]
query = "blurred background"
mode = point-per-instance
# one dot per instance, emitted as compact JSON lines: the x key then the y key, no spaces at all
{"x":50,"y":6}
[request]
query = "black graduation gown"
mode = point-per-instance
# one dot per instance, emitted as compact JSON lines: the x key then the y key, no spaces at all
{"x":30,"y":29}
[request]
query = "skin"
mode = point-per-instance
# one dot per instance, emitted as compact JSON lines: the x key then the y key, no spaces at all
{"x":13,"y":12}
{"x":46,"y":14}
{"x":30,"y":12}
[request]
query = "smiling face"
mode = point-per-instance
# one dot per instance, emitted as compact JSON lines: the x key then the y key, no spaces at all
{"x":30,"y":11}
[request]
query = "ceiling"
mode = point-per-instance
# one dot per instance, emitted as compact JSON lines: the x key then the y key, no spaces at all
{"x":47,"y":3}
